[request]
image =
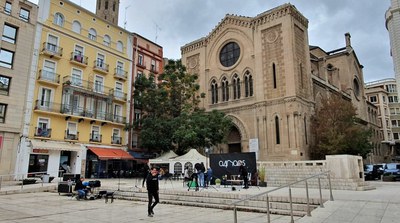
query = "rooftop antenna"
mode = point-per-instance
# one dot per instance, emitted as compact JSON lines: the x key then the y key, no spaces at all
{"x":157,"y":28}
{"x":125,"y":15}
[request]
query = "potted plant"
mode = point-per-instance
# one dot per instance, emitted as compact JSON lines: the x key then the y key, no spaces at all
{"x":262,"y":177}
{"x":218,"y":182}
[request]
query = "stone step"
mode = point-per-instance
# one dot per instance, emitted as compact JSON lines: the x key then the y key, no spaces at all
{"x":277,"y":204}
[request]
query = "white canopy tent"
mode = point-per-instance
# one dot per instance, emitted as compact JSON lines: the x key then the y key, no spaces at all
{"x":164,"y":158}
{"x":189,"y":159}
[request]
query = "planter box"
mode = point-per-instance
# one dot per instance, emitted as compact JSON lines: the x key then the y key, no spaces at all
{"x":262,"y":184}
{"x":28,"y":181}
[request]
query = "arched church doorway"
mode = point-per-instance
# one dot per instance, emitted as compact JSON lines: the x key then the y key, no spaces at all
{"x":234,"y":141}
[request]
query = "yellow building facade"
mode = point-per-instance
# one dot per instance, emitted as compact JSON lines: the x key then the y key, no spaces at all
{"x":80,"y":97}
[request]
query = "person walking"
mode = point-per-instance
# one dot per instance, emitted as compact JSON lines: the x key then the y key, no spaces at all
{"x":152,"y":190}
{"x":244,"y":174}
{"x":145,"y":172}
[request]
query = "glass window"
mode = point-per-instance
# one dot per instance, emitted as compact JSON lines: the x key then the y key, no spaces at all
{"x":52,"y":42}
{"x":49,"y":70}
{"x":229,"y":54}
{"x":72,"y":128}
{"x":45,"y":98}
{"x":120,"y":46}
{"x":76,"y":77}
{"x":92,"y":34}
{"x":4,"y":85}
{"x":59,"y":19}
{"x":372,"y":99}
{"x":6,"y":58}
{"x":98,"y":84}
{"x":396,"y":135}
{"x":120,"y":68}
{"x":76,"y":27}
{"x":119,"y":92}
{"x":107,"y":40}
{"x":236,"y":87}
{"x":248,"y":84}
{"x":7,"y":8}
{"x":214,"y":92}
{"x":3,"y":111}
{"x":100,"y":62}
{"x":24,"y":14}
{"x":391,"y":88}
{"x":140,"y":59}
{"x":153,"y":65}
{"x":9,"y":33}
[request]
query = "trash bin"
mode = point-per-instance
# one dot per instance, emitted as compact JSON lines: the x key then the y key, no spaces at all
{"x":46,"y":178}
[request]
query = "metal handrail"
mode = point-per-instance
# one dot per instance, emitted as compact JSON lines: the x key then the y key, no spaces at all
{"x":290,"y":195}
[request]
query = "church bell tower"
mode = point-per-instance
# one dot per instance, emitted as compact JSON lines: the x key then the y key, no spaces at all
{"x":108,"y":10}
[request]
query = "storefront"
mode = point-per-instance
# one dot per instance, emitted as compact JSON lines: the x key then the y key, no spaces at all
{"x":53,"y":156}
{"x":110,"y":162}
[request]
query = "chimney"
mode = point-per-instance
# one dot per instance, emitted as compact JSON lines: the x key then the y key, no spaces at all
{"x":348,"y":37}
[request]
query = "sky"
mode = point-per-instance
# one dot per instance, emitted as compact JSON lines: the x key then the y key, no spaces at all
{"x":174,"y":23}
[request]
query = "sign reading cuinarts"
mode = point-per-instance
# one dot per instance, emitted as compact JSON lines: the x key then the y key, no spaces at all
{"x":228,"y":163}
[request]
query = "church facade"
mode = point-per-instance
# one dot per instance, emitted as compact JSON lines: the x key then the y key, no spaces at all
{"x":263,"y":74}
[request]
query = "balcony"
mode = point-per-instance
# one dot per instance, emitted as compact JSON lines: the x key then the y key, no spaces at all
{"x":120,"y":74}
{"x":141,"y":65}
{"x":42,"y":133}
{"x":95,"y":137}
{"x":118,"y":95}
{"x":79,"y":59}
{"x":87,"y":86}
{"x":119,"y":119}
{"x":71,"y":136}
{"x":116,"y":140}
{"x":100,"y":66}
{"x":52,"y":50}
{"x":49,"y":77}
{"x":47,"y":106}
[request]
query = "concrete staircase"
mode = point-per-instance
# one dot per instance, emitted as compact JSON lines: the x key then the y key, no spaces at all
{"x":278,"y":205}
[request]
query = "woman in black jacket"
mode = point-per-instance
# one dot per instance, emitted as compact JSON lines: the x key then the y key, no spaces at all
{"x":152,"y":190}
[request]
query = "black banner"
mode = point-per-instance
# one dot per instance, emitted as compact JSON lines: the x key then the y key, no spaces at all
{"x":228,"y":163}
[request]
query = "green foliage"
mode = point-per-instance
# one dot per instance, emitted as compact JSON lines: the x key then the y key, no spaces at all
{"x":171,"y":116}
{"x":336,"y":130}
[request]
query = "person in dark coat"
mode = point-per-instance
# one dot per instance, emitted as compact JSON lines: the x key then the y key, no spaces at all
{"x":81,"y":189}
{"x":244,"y":174}
{"x":145,"y":172}
{"x":152,"y":190}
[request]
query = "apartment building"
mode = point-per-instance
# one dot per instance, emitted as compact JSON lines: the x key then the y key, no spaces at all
{"x":80,"y":94}
{"x":384,"y":95}
{"x":148,"y":58}
{"x":17,"y":27}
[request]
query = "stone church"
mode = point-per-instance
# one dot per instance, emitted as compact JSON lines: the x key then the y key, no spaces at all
{"x":262,"y":72}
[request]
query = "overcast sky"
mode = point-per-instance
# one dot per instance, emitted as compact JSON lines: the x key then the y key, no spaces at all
{"x":174,"y":23}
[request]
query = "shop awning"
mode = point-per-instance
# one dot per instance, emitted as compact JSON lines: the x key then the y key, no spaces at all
{"x":110,"y":153}
{"x":55,"y":145}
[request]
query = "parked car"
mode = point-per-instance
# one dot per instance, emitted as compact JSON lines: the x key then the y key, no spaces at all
{"x":373,"y":171}
{"x":392,"y":170}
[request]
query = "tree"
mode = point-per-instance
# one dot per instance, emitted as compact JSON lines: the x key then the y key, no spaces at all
{"x":171,"y":116}
{"x":337,"y":130}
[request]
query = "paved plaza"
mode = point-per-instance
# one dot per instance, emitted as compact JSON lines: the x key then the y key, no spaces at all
{"x":381,"y":205}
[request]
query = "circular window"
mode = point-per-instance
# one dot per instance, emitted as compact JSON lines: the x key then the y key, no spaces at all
{"x":229,"y":54}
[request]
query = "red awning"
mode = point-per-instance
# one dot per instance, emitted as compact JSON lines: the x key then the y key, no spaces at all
{"x":109,"y":153}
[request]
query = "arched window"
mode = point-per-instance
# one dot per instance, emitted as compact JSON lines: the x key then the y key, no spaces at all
{"x":107,"y":40}
{"x":59,"y":19}
{"x":214,"y":92}
{"x":225,"y":89}
{"x":76,"y":27}
{"x":274,"y":74}
{"x":305,"y":130}
{"x":120,"y":46}
{"x":277,"y":132}
{"x":236,"y":86}
{"x":92,"y":34}
{"x":178,"y":167}
{"x":248,"y":84}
